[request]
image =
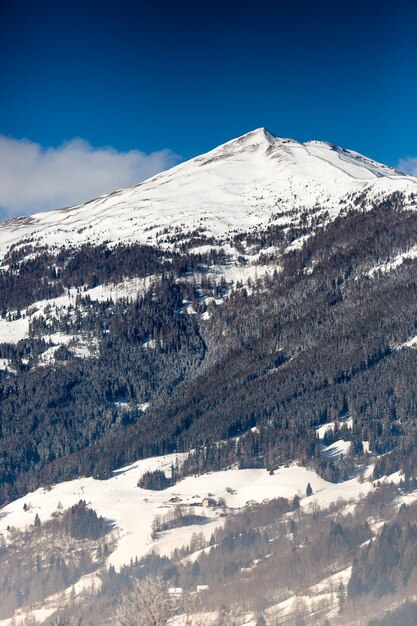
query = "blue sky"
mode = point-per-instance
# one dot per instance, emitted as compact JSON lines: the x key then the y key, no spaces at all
{"x":163,"y":81}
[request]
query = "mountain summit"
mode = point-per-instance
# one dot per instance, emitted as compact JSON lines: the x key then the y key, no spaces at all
{"x":250,"y":182}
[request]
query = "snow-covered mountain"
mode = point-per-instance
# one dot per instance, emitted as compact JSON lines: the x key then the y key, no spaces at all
{"x":245,"y":184}
{"x":207,"y":407}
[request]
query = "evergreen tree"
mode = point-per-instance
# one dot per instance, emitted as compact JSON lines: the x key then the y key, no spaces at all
{"x":296,"y":503}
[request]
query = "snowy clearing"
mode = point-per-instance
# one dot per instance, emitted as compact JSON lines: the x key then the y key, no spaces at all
{"x":133,"y":509}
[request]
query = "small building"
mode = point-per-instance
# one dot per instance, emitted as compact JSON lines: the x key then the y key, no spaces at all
{"x":174,"y":500}
{"x":175,"y":591}
{"x":209,"y":502}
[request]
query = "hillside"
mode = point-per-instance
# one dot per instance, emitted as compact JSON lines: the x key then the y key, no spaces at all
{"x":242,"y":325}
{"x":247,"y":184}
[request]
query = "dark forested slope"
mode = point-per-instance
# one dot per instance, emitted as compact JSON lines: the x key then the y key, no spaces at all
{"x":320,"y":336}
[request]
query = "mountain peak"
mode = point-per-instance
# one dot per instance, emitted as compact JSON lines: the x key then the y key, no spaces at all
{"x":244,"y":184}
{"x":256,"y":137}
{"x":261,"y":134}
{"x":254,"y":140}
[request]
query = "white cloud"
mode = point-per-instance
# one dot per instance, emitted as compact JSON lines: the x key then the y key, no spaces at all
{"x":33,"y":178}
{"x":408,"y":165}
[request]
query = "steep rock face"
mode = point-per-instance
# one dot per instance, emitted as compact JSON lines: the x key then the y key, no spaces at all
{"x":243,"y":185}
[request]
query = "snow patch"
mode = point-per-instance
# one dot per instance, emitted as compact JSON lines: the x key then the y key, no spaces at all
{"x":396,"y":262}
{"x":14,"y":331}
{"x":410,"y":343}
{"x":336,"y":450}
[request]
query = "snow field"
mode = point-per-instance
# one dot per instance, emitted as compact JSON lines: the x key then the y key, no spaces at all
{"x":237,"y":187}
{"x":132,"y":509}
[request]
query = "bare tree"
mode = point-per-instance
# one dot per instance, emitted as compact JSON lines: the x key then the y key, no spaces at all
{"x":147,"y":604}
{"x":66,"y":621}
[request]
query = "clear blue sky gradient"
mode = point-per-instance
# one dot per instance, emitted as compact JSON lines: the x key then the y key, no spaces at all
{"x":191,"y":75}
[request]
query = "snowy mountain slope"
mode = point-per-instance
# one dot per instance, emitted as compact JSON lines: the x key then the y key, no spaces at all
{"x":121,"y":501}
{"x":318,"y":331}
{"x":132,"y":510}
{"x":245,"y":184}
{"x":13,"y":331}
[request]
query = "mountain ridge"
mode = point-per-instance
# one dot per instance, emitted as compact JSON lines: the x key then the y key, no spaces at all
{"x":245,"y":184}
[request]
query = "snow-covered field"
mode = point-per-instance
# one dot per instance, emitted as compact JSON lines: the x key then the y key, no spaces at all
{"x":13,"y":331}
{"x":132,"y":509}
